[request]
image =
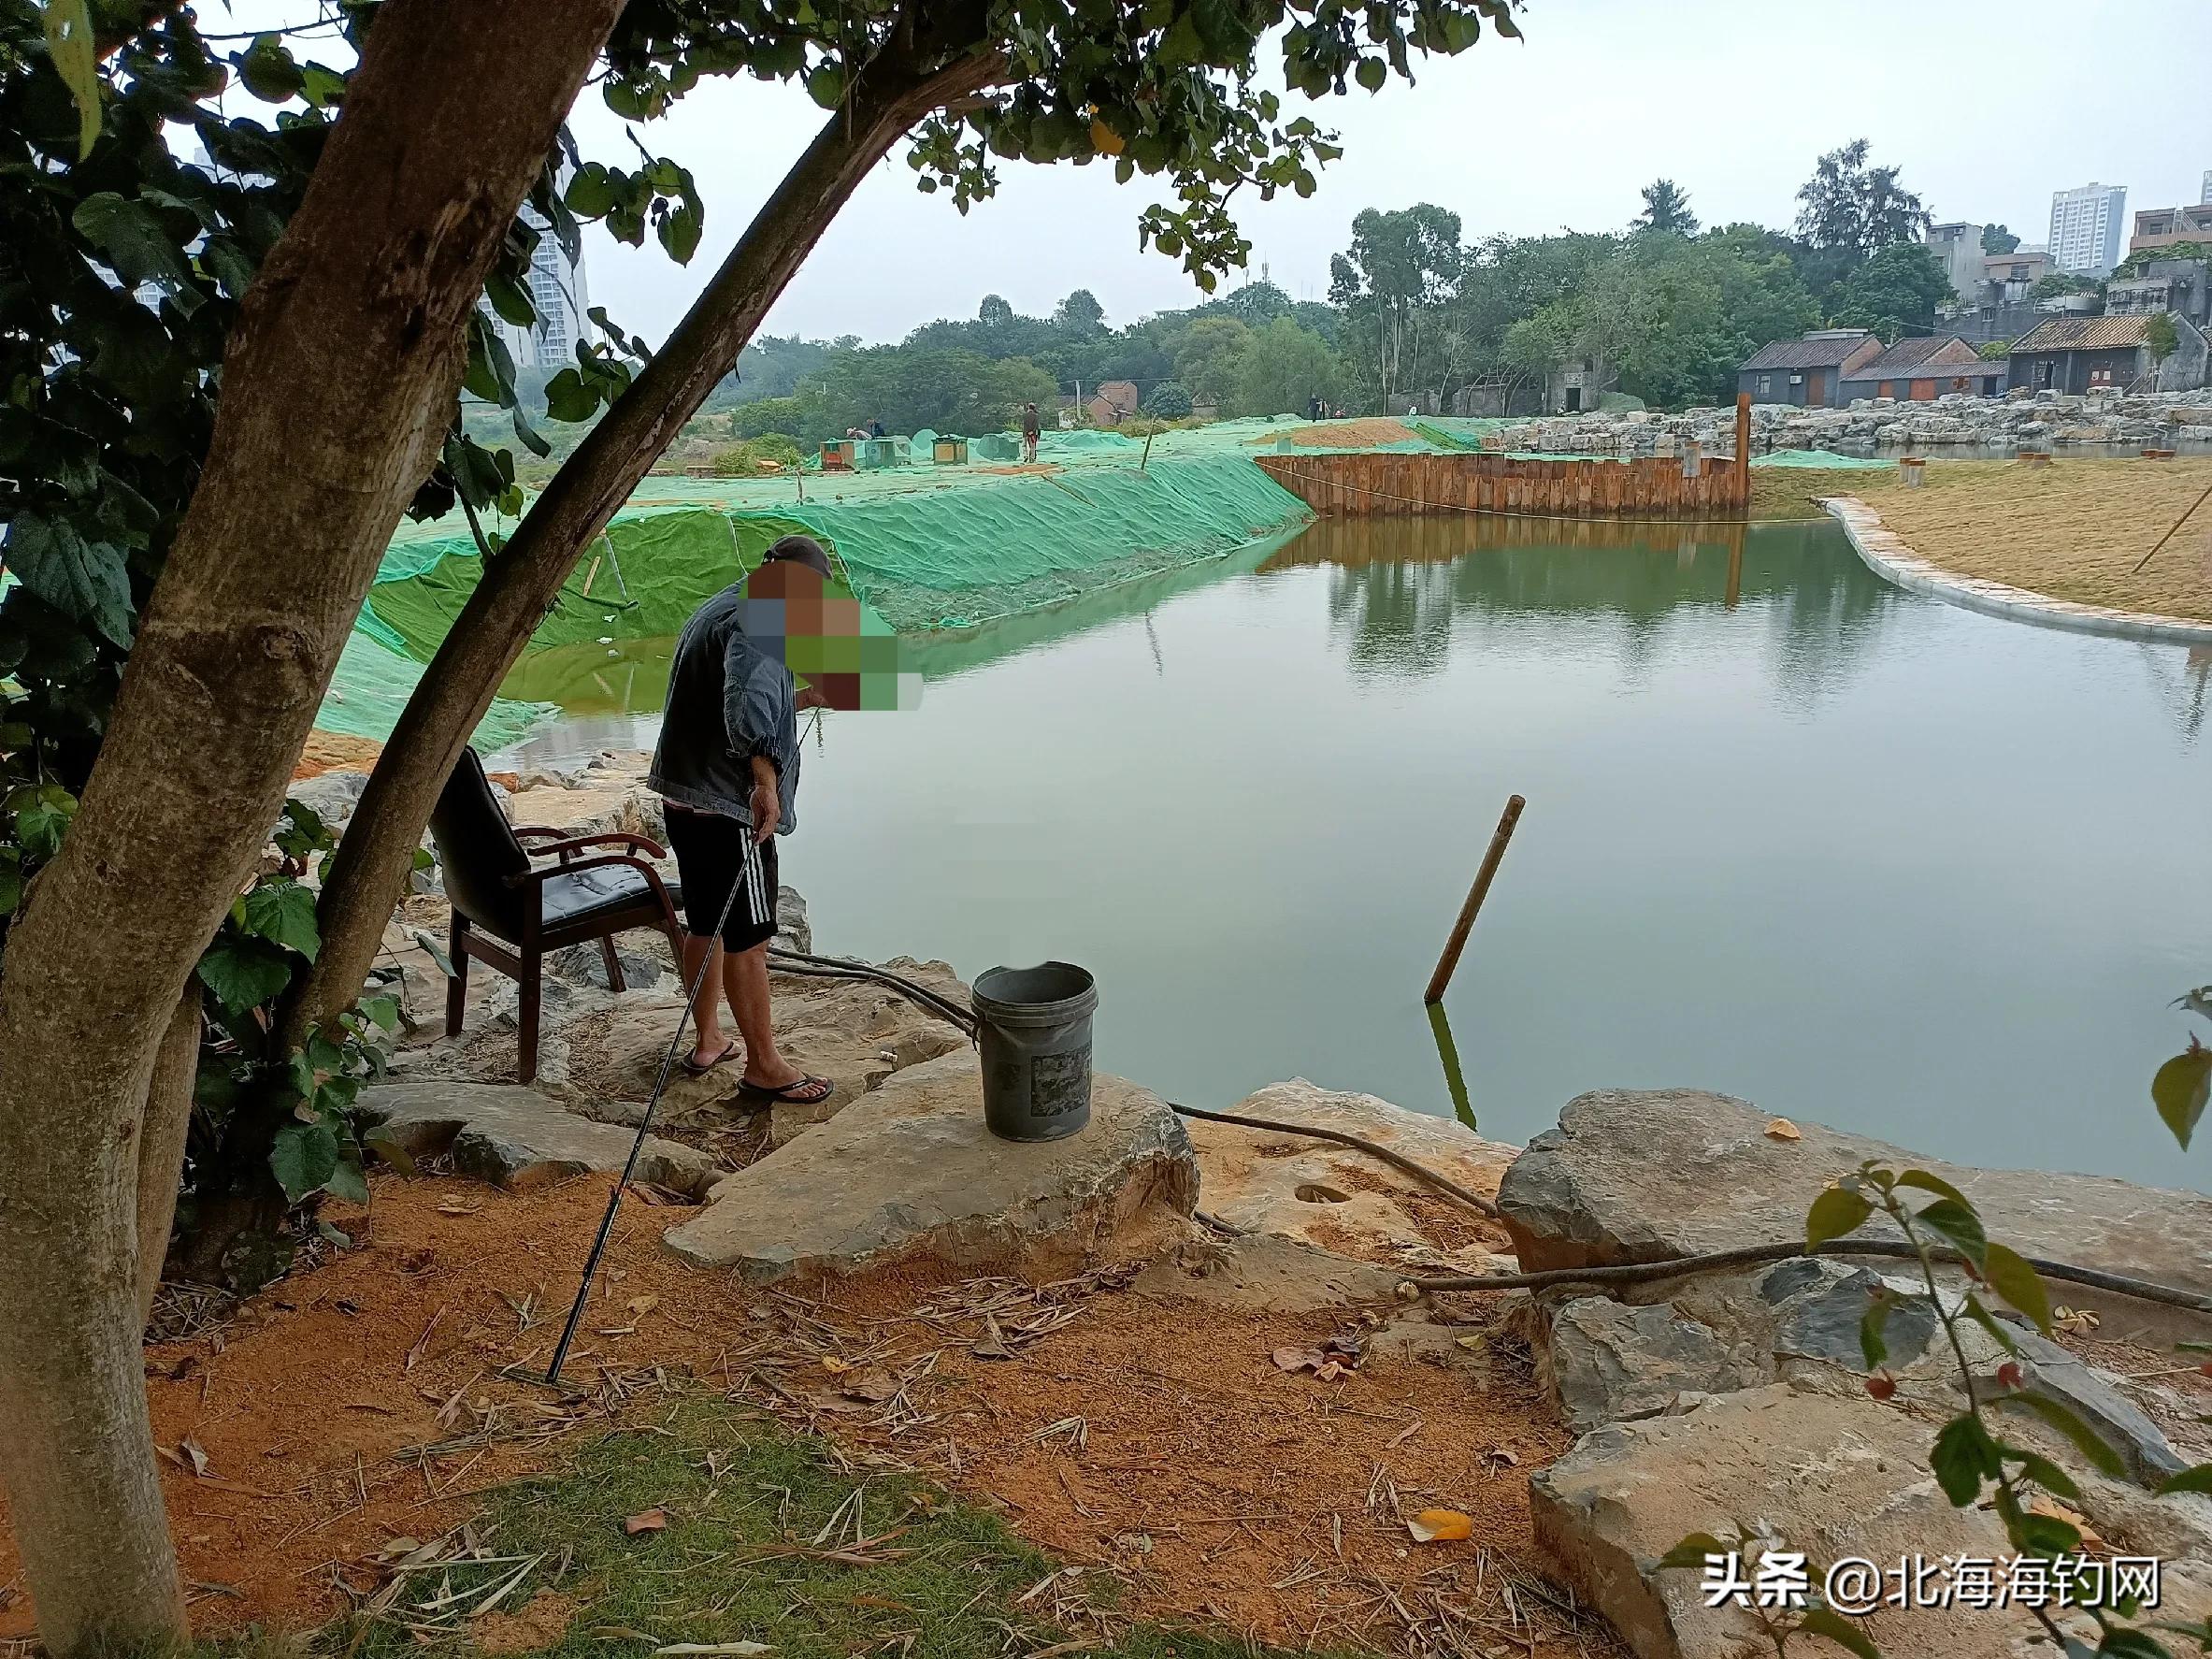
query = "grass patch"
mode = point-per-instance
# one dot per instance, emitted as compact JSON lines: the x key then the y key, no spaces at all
{"x":1788,"y":492}
{"x":766,"y":1540}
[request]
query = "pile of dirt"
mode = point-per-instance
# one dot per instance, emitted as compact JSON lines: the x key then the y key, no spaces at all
{"x":1140,"y":1425}
{"x":1363,"y":433}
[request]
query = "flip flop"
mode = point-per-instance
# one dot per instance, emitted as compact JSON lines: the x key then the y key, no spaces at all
{"x":692,"y":1065}
{"x":800,"y":1091}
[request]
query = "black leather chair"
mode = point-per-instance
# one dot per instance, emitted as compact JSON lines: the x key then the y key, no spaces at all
{"x":509,"y":912}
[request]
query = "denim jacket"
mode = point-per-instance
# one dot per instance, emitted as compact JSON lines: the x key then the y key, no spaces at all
{"x":730,"y":698}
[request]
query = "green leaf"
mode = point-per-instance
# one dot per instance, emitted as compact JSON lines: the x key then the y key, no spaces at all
{"x":11,"y":881}
{"x":323,"y":88}
{"x":1827,"y":1622}
{"x":511,"y":300}
{"x":2037,"y":1534}
{"x":2193,"y":1480}
{"x":1962,"y":1458}
{"x":568,"y":399}
{"x":2123,"y":1641}
{"x":1982,"y":1316}
{"x":88,"y":582}
{"x":348,"y":1182}
{"x":283,"y":913}
{"x":2041,"y":1470}
{"x":2012,"y":1278}
{"x":383,"y":1010}
{"x":1837,"y":1211}
{"x":1371,"y":74}
{"x":41,"y":815}
{"x":243,"y":973}
{"x":2064,"y":1419}
{"x":269,"y":72}
{"x":680,"y":231}
{"x":386,"y":1145}
{"x":1872,"y":1343}
{"x":76,"y":59}
{"x":1935,"y":1184}
{"x":304,"y":1156}
{"x":1692,"y":1551}
{"x":1957,"y":1222}
{"x":132,"y":238}
{"x":2180,"y":1088}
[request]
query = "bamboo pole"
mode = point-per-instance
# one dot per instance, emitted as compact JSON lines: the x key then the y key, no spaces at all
{"x":1446,"y":963}
{"x":1743,"y":450}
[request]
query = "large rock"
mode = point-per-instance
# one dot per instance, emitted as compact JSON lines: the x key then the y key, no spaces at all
{"x":516,"y":1137}
{"x":1635,"y":1175}
{"x":910,"y":1171}
{"x":1830,"y":1476}
{"x":1608,"y":1363}
{"x":1338,"y":1198}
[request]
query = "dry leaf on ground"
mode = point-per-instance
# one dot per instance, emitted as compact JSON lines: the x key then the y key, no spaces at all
{"x":1440,"y":1526}
{"x":1781,"y":1129}
{"x":645,"y":1521}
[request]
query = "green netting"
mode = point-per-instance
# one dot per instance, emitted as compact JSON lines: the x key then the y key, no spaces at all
{"x":1827,"y":460}
{"x":372,"y":684}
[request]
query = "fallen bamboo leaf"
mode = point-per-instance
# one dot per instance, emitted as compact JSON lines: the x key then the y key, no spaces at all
{"x":645,"y":1521}
{"x":1440,"y":1526}
{"x":1781,"y":1129}
{"x":639,"y":1306}
{"x":733,"y":1650}
{"x":454,"y":1207}
{"x":195,"y":1454}
{"x":622,"y":1633}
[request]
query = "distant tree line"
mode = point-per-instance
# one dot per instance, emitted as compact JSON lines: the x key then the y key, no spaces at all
{"x":1416,"y":314}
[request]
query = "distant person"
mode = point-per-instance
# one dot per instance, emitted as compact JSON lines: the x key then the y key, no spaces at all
{"x":875,"y":427}
{"x":1315,"y":409}
{"x":727,"y":768}
{"x":1029,"y":431}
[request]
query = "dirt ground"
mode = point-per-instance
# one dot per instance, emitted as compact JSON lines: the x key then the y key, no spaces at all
{"x":2073,"y":529}
{"x":331,"y":751}
{"x":1351,"y":434}
{"x":1137,"y":1424}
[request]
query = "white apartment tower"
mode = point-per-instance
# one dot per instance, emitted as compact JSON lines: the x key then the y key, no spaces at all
{"x":563,"y":301}
{"x":2085,"y":229}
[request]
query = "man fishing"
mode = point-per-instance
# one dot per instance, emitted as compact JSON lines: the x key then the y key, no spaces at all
{"x":726,"y":766}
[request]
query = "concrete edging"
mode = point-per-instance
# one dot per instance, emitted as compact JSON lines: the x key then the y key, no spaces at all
{"x":1888,"y":557}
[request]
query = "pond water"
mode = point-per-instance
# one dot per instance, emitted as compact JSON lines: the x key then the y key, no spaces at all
{"x":1856,"y":856}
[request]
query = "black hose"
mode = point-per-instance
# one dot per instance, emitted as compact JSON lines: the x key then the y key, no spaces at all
{"x":1472,"y":1200}
{"x":1631,"y":1273}
{"x":844,"y":968}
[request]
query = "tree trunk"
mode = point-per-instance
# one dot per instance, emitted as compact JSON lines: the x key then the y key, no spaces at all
{"x":336,"y":385}
{"x":161,"y":1141}
{"x":364,"y":877}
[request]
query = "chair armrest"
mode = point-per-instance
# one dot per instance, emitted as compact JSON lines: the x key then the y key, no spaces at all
{"x":525,"y":831}
{"x":621,"y":837}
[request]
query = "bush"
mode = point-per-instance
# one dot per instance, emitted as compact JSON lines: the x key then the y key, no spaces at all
{"x":744,"y":460}
{"x":1168,"y":402}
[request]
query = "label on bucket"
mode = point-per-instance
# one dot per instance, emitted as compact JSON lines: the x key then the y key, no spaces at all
{"x":1059,"y":1083}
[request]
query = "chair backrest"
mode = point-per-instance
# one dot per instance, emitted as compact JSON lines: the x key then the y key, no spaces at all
{"x":477,"y":851}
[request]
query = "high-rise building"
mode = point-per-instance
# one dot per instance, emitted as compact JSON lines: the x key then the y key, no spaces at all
{"x":561,"y":299}
{"x":2205,"y":199}
{"x":2084,"y":226}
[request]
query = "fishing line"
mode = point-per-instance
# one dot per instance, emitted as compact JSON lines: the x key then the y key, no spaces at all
{"x":591,"y":1264}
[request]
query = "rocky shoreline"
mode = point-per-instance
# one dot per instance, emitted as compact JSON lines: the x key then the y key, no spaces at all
{"x":1957,"y":421}
{"x":1695,"y":1404}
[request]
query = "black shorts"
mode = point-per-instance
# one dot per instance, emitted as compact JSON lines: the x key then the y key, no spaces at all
{"x":719,"y":864}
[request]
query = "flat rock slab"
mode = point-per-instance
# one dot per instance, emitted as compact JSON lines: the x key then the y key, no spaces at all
{"x":517,"y":1138}
{"x":855,"y":1032}
{"x":1338,"y":1197}
{"x":1639,"y":1175}
{"x":910,"y":1171}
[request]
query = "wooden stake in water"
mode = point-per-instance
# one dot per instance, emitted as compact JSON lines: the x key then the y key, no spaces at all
{"x":1475,"y":895}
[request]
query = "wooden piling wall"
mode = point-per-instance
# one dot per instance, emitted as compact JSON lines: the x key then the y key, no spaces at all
{"x":1357,"y":485}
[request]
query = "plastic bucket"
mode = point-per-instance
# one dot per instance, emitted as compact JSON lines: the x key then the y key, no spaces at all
{"x":1035,"y":1032}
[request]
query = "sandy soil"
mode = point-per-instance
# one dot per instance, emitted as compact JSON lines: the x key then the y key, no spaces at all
{"x":1138,"y":1426}
{"x":1350,"y":434}
{"x":2073,"y":529}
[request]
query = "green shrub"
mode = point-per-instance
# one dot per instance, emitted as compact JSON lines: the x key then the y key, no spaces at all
{"x":744,"y":460}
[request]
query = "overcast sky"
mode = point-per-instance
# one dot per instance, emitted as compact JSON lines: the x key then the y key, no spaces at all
{"x":1988,"y":110}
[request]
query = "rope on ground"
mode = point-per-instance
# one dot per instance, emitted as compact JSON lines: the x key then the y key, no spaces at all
{"x":1632,"y":1273}
{"x":1565,"y":518}
{"x":1467,"y":1196}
